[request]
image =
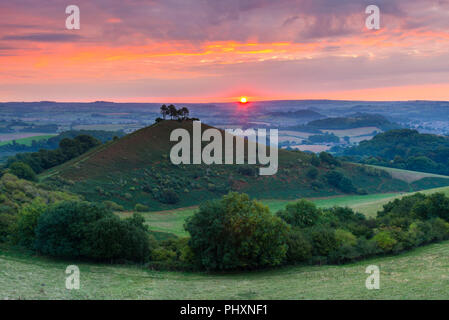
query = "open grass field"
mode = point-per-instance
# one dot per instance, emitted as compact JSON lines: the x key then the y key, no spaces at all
{"x":422,"y":273}
{"x":24,"y":138}
{"x":172,"y":221}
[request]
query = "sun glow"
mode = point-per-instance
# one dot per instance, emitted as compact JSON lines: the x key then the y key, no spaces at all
{"x":243,"y":100}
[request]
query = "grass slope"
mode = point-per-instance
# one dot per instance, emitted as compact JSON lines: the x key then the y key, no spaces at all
{"x":418,"y":274}
{"x":136,"y":169}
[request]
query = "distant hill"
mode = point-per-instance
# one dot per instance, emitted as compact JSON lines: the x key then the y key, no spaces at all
{"x":137,"y":169}
{"x":305,"y":114}
{"x":357,"y":120}
{"x":404,"y":149}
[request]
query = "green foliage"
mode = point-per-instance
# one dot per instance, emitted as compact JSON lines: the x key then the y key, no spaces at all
{"x":45,"y":159}
{"x":404,"y":149}
{"x":22,"y":171}
{"x":141,"y":208}
{"x":299,"y":248}
{"x":111,"y":205}
{"x":300,"y":214}
{"x":312,"y":173}
{"x":168,"y":196}
{"x":113,"y":239}
{"x":84,"y":230}
{"x":323,"y":138}
{"x":339,"y":181}
{"x":327,"y":158}
{"x":385,"y":240}
{"x":24,"y":232}
{"x":236,"y":232}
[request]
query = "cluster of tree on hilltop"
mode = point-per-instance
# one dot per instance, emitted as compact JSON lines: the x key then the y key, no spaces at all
{"x":404,"y":149}
{"x":174,"y":113}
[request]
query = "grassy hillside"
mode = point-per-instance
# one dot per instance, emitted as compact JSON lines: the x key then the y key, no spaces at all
{"x":137,"y":169}
{"x":418,"y":274}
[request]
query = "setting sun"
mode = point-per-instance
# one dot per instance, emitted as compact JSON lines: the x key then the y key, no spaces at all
{"x":243,"y":100}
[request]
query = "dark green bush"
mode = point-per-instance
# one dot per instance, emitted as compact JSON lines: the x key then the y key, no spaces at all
{"x":84,"y":230}
{"x":22,"y":171}
{"x":299,"y":248}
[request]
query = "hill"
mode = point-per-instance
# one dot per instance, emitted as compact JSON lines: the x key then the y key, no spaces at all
{"x":357,"y":120}
{"x":136,"y":169}
{"x":404,"y":149}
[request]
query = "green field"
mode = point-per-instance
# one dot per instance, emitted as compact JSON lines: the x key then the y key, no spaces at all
{"x":29,"y":140}
{"x":172,"y":221}
{"x":422,"y":273}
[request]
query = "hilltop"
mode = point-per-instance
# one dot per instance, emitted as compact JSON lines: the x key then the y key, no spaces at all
{"x":136,"y":169}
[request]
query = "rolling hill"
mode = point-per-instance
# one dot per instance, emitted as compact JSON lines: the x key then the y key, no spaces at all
{"x":137,"y":169}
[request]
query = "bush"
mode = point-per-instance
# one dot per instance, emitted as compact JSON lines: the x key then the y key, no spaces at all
{"x":84,"y":230}
{"x":312,"y":173}
{"x":141,"y":208}
{"x":111,"y":205}
{"x":113,"y":239}
{"x":24,"y":232}
{"x":22,"y":171}
{"x":323,"y":241}
{"x":338,"y":180}
{"x":300,"y":214}
{"x":299,"y":248}
{"x":62,"y":229}
{"x":169,"y":196}
{"x":385,"y":241}
{"x":235,"y":233}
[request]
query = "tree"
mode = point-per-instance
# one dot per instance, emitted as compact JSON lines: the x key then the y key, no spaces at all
{"x":172,"y":111}
{"x":184,"y":113}
{"x":235,"y":233}
{"x":164,"y":111}
{"x":300,"y":214}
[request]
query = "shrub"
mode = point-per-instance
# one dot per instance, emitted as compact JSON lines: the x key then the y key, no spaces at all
{"x":111,"y":239}
{"x":22,"y":171}
{"x":300,"y":214}
{"x":169,"y":196}
{"x":84,"y":230}
{"x":62,"y":228}
{"x":345,"y":238}
{"x":111,"y":205}
{"x":385,"y":241}
{"x":338,"y":180}
{"x":24,"y":232}
{"x":299,"y":248}
{"x":312,"y":173}
{"x":236,"y":232}
{"x":323,"y":241}
{"x":141,"y":208}
{"x":328,"y":158}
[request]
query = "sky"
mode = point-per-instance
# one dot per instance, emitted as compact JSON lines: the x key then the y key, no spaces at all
{"x":218,"y":50}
